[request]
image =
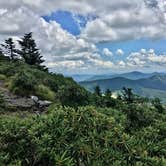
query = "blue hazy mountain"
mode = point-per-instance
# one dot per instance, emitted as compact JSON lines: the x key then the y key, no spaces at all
{"x":154,"y":86}
{"x":80,"y":77}
{"x":130,"y":75}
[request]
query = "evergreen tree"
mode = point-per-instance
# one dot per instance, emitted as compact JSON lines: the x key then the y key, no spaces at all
{"x":29,"y":51}
{"x":108,"y":93}
{"x":1,"y":53}
{"x":9,"y":49}
{"x":128,"y":95}
{"x":97,"y":90}
{"x":157,"y":104}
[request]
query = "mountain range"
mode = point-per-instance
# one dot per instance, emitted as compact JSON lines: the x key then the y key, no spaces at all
{"x":130,"y":75}
{"x":144,"y":84}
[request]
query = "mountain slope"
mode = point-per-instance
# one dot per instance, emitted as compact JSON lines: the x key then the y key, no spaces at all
{"x":25,"y":80}
{"x":154,"y":86}
{"x":135,"y":75}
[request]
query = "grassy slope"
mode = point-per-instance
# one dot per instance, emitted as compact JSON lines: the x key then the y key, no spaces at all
{"x":40,"y":83}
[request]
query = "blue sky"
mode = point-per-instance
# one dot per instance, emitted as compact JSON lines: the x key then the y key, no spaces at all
{"x":82,"y":37}
{"x":74,"y":23}
{"x":69,"y":21}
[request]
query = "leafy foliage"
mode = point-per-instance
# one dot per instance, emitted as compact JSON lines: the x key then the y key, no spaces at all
{"x":73,"y":96}
{"x":2,"y":102}
{"x":45,"y":92}
{"x":23,"y":84}
{"x":85,"y":136}
{"x":157,"y":104}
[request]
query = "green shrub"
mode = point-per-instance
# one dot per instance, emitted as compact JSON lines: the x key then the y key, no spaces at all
{"x":157,"y":104}
{"x":73,"y":95}
{"x":45,"y":93}
{"x":64,"y":137}
{"x":82,"y":136}
{"x":138,"y":116}
{"x":2,"y":77}
{"x":23,"y":84}
{"x":2,"y":102}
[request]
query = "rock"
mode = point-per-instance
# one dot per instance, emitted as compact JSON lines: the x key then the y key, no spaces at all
{"x":35,"y":98}
{"x":21,"y":102}
{"x":41,"y":103}
{"x":44,"y":103}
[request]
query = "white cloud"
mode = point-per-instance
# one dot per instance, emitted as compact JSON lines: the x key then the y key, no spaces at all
{"x":118,"y":20}
{"x":17,"y":22}
{"x":97,"y":31}
{"x":147,"y":59}
{"x":107,"y":52}
{"x":60,"y":49}
{"x":119,"y":52}
{"x":122,"y":64}
{"x":127,"y":20}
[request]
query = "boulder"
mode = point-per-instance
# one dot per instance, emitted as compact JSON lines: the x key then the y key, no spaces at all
{"x":35,"y":98}
{"x":44,"y":103}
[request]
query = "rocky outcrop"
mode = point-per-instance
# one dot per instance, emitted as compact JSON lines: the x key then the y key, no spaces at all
{"x":40,"y":103}
{"x":23,"y":103}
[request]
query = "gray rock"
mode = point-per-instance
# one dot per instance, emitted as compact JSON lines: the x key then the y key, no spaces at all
{"x":35,"y":98}
{"x":44,"y":103}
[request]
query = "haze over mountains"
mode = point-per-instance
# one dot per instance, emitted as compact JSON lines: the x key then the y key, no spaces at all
{"x":144,"y":84}
{"x":130,"y":75}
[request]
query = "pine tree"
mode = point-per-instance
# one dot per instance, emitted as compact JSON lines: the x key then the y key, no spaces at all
{"x":1,"y":52}
{"x":128,"y":95}
{"x":8,"y":48}
{"x":29,"y":51}
{"x":108,"y":93}
{"x":97,"y":90}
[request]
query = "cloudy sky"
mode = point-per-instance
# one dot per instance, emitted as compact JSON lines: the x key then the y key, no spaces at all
{"x":91,"y":36}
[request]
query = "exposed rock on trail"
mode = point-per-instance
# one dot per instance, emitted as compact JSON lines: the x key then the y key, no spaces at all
{"x":23,"y":103}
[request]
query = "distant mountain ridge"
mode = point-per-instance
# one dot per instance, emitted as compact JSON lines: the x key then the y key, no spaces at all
{"x":80,"y":77}
{"x":143,"y":86}
{"x":130,"y":75}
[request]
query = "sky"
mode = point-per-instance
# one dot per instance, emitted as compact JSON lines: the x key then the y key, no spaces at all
{"x":91,"y":37}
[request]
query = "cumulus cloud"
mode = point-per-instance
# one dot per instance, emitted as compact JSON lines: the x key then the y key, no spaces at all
{"x":128,"y":20}
{"x":17,"y":22}
{"x":146,"y":58}
{"x":114,"y":21}
{"x":61,"y":50}
{"x":107,"y":52}
{"x":81,"y":62}
{"x":119,"y":52}
{"x":122,"y":64}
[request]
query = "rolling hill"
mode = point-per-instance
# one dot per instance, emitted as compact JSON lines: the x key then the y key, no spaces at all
{"x":154,"y":86}
{"x":135,"y":75}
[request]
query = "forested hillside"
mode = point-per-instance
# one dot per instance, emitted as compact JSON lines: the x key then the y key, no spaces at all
{"x":154,"y":86}
{"x":77,"y":128}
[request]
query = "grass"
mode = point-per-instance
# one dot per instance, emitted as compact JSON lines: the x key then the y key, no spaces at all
{"x":45,"y":93}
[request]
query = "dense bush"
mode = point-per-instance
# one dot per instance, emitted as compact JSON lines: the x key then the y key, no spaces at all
{"x":85,"y":136}
{"x":2,"y":77}
{"x":23,"y":84}
{"x":138,"y":116}
{"x":73,"y":96}
{"x":2,"y":102}
{"x":45,"y":93}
